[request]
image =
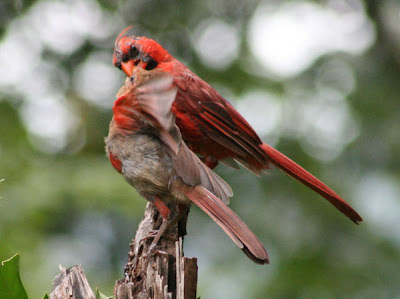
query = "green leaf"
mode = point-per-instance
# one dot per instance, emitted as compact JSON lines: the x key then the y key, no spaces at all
{"x":101,"y":295}
{"x":10,"y":283}
{"x":45,"y":296}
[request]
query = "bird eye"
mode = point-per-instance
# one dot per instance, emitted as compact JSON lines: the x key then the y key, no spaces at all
{"x":151,"y":63}
{"x":125,"y":58}
{"x":133,"y":52}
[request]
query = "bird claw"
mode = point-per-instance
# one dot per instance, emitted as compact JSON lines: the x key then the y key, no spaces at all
{"x":152,"y":234}
{"x":153,"y":251}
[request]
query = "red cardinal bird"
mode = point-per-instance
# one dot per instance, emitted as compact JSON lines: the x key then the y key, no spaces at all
{"x":145,"y":146}
{"x":209,"y":124}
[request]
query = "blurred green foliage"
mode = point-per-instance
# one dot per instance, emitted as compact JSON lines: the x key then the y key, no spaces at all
{"x":62,"y":203}
{"x":10,"y":281}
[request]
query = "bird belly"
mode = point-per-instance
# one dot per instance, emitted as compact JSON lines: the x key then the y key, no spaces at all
{"x":145,"y":164}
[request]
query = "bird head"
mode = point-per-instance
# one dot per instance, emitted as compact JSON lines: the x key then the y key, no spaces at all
{"x":132,"y":51}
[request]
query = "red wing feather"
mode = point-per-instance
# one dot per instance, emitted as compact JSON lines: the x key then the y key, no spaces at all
{"x":153,"y":98}
{"x":210,"y":113}
{"x":233,"y":226}
{"x":216,"y":118}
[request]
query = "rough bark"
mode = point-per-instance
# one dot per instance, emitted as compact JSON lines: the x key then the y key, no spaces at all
{"x":166,"y":274}
{"x":71,"y":283}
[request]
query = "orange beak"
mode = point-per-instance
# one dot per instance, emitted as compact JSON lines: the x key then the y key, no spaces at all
{"x":128,"y":67}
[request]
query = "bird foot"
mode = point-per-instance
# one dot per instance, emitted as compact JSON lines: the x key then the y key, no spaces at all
{"x":153,"y":233}
{"x":152,"y":251}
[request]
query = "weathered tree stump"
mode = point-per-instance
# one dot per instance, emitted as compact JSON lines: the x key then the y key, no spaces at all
{"x":71,"y":283}
{"x":166,"y":274}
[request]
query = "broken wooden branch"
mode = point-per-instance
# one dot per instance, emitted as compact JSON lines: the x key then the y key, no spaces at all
{"x":166,"y":274}
{"x":71,"y":283}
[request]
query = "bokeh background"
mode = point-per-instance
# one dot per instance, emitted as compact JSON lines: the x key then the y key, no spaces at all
{"x":319,"y":80}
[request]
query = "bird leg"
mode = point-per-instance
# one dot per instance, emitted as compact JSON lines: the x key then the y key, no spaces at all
{"x":170,"y":217}
{"x":168,"y":222}
{"x":166,"y":216}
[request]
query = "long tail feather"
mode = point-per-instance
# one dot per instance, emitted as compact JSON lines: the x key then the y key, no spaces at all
{"x":302,"y":175}
{"x":233,"y":226}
